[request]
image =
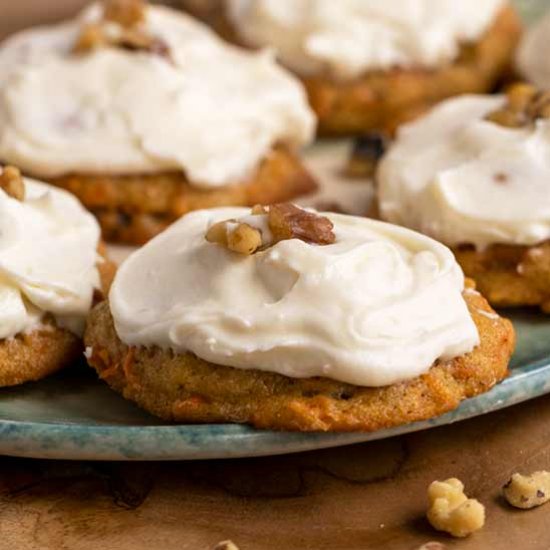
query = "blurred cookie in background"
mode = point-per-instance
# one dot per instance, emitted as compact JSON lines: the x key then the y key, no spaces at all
{"x":369,"y":65}
{"x":533,"y":57}
{"x":146,"y":114}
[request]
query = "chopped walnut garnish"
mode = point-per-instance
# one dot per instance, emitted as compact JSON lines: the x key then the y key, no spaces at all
{"x":226,"y":545}
{"x":281,"y":222}
{"x":12,"y":183}
{"x":238,"y":237}
{"x":452,"y":511}
{"x":91,"y":36}
{"x":528,"y":491}
{"x":127,"y":13}
{"x":524,"y":105}
{"x":287,"y":221}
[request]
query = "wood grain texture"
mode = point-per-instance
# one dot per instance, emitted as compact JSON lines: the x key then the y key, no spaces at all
{"x":368,"y":496}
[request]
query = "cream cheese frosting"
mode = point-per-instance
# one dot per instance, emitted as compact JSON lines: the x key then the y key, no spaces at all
{"x":462,"y":179}
{"x":211,"y":110}
{"x":348,"y":37}
{"x":378,"y":306}
{"x":533,"y":59}
{"x":48,"y":257}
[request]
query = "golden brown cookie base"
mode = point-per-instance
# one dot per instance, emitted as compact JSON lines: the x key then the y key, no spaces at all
{"x":184,"y":388}
{"x":30,"y":357}
{"x":510,"y":276}
{"x":386,"y":99}
{"x":133,"y":209}
{"x":48,"y":349}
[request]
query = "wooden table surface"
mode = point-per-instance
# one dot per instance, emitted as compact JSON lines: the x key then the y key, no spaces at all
{"x":369,"y":496}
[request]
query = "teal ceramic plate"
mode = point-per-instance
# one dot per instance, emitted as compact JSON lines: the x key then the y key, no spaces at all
{"x":74,"y":416}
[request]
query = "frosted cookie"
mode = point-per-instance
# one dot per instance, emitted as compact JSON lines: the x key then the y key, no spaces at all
{"x":288,"y":319}
{"x":475,"y":174}
{"x":145,"y":114}
{"x":371,"y":65}
{"x":50,"y":270}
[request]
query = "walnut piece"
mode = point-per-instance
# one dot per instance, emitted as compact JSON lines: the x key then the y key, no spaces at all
{"x":524,"y":105}
{"x":127,"y":13}
{"x":452,"y":511}
{"x":281,"y":221}
{"x":226,"y":545}
{"x":287,"y":221}
{"x":128,"y":16}
{"x":236,"y":236}
{"x":528,"y":491}
{"x":12,"y":183}
{"x":91,"y":36}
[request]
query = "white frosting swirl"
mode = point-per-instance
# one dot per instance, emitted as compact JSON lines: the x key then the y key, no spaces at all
{"x":533,"y":59}
{"x":349,"y":37}
{"x":462,"y":179}
{"x":378,"y":306}
{"x":215,"y":111}
{"x":48,"y":257}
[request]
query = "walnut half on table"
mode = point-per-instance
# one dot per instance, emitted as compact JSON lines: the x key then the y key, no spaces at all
{"x":452,"y":511}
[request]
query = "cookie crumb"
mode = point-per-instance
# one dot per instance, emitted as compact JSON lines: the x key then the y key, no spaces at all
{"x":452,"y":511}
{"x":527,"y":492}
{"x":226,"y":545}
{"x":11,"y":182}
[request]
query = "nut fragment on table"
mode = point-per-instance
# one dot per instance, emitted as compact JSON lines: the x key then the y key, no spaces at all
{"x":226,"y":545}
{"x":11,"y":182}
{"x":524,"y":105}
{"x":528,"y":491}
{"x":452,"y":511}
{"x":274,"y":224}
